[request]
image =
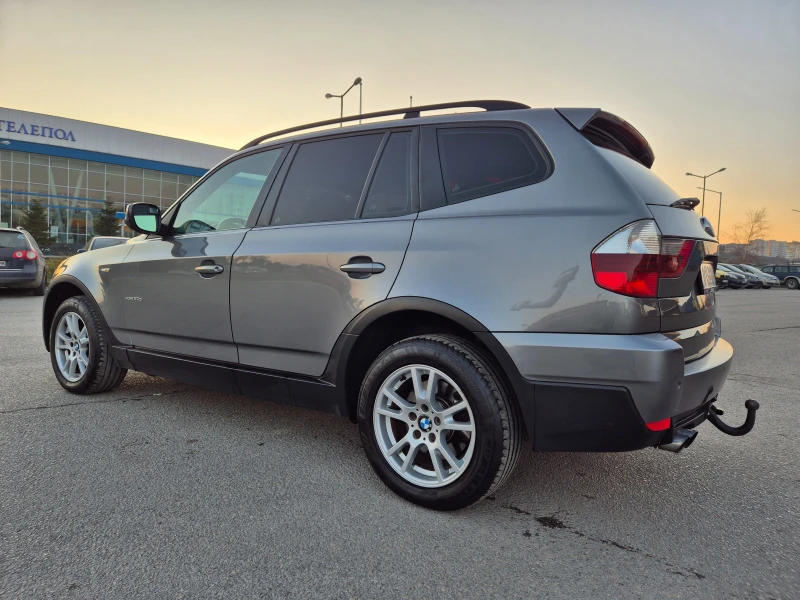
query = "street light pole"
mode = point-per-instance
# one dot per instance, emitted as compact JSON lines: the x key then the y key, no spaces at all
{"x":704,"y":177}
{"x":719,"y":215}
{"x":358,"y":83}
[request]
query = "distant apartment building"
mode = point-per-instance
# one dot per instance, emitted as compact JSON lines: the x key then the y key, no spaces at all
{"x":759,"y":247}
{"x":770,"y":248}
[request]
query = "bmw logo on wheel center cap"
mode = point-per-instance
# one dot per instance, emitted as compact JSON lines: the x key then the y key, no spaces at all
{"x":425,"y":423}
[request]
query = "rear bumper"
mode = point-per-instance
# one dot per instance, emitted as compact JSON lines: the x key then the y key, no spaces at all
{"x":22,"y":278}
{"x":596,"y":392}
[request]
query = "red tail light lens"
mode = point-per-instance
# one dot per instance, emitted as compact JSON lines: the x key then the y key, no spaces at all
{"x":675,"y":256}
{"x":632,"y":260}
{"x":661,"y":425}
{"x":25,"y":254}
{"x":627,"y":262}
{"x":30,"y":255}
{"x":18,"y":254}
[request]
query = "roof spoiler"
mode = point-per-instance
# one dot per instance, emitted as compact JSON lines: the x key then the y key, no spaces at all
{"x":609,"y":131}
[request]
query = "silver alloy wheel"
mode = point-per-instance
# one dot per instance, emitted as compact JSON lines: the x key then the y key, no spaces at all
{"x":424,"y":426}
{"x":72,"y":346}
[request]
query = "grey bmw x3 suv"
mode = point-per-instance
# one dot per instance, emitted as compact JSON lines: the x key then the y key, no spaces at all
{"x":456,"y":284}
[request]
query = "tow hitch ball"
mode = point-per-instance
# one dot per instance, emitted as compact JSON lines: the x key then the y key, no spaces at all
{"x":747,"y":427}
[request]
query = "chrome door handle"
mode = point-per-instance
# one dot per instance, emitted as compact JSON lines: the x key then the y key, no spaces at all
{"x":209,"y":269}
{"x":367,"y":268}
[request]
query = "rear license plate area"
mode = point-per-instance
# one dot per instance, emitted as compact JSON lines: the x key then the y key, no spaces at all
{"x":2,"y":264}
{"x":707,"y":275}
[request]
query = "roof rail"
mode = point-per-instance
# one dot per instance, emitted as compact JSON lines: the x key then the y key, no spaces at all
{"x":410,"y":113}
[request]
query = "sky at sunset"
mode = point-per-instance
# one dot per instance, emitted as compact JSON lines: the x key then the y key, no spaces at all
{"x":710,"y":84}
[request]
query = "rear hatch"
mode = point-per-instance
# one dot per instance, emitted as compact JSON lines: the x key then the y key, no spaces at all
{"x":10,"y":242}
{"x":687,"y":302}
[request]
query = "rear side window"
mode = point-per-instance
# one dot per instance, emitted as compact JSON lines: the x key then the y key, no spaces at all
{"x":480,"y":161}
{"x":390,"y":191}
{"x":326,"y":180}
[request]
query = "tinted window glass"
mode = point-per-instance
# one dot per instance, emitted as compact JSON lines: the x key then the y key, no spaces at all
{"x":106,"y":243}
{"x":225,"y":200}
{"x":767,"y":269}
{"x":390,"y":191}
{"x":13,"y":240}
{"x":781,"y":269}
{"x":325,"y":180}
{"x":482,"y":160}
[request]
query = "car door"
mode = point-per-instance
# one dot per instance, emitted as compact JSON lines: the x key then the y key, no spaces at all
{"x":332,"y":246}
{"x":175,"y":289}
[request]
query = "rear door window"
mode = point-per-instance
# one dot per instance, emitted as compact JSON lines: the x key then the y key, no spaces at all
{"x":479,"y":161}
{"x":390,"y":191}
{"x":326,"y":180}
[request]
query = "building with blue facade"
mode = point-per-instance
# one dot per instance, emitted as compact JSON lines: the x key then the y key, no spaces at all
{"x":72,"y":167}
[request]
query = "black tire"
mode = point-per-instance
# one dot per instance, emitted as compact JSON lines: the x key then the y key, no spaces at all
{"x":40,"y":289}
{"x":498,"y":426}
{"x":792,"y":284}
{"x":102,"y":373}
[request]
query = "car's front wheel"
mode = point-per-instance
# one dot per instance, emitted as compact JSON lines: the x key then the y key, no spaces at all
{"x":437,"y":422}
{"x":79,"y":351}
{"x":792,"y":284}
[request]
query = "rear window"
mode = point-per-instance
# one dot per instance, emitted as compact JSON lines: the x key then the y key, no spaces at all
{"x":648,"y":185}
{"x":13,"y":240}
{"x":480,"y":161}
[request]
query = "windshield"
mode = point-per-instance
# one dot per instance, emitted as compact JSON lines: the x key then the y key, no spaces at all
{"x":13,"y":240}
{"x":107,"y":242}
{"x":735,"y":270}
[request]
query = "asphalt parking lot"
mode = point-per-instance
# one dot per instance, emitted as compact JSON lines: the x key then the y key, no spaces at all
{"x":160,"y":489}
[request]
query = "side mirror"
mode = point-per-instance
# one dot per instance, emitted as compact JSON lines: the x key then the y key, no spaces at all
{"x":81,"y":251}
{"x":144,"y":218}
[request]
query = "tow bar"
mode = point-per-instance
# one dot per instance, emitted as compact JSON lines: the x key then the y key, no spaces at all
{"x":713,"y":415}
{"x":683,"y":438}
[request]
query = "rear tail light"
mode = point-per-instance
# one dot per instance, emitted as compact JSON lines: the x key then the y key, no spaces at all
{"x":661,"y":425}
{"x":25,"y":254}
{"x":632,"y":260}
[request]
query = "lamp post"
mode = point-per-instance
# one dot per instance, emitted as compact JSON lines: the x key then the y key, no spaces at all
{"x":358,"y":83}
{"x":704,"y":177}
{"x":719,"y":215}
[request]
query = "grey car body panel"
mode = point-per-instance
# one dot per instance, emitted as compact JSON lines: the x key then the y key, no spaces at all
{"x":478,"y":255}
{"x":290,"y":300}
{"x":650,"y":366}
{"x":578,"y":117}
{"x":167,"y":306}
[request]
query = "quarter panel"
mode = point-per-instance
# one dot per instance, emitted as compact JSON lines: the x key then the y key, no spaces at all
{"x":289,"y":299}
{"x":521,"y":260}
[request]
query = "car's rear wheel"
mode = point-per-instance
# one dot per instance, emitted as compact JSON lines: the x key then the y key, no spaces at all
{"x":437,"y":422}
{"x":79,"y":350}
{"x":40,"y":289}
{"x":792,"y":284}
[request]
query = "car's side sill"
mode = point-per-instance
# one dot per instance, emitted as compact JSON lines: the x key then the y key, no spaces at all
{"x":235,"y":379}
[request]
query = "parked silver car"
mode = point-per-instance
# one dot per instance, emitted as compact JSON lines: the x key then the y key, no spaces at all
{"x":767,"y":280}
{"x":456,"y":284}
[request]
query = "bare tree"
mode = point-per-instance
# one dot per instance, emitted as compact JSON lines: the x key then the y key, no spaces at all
{"x":756,"y":226}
